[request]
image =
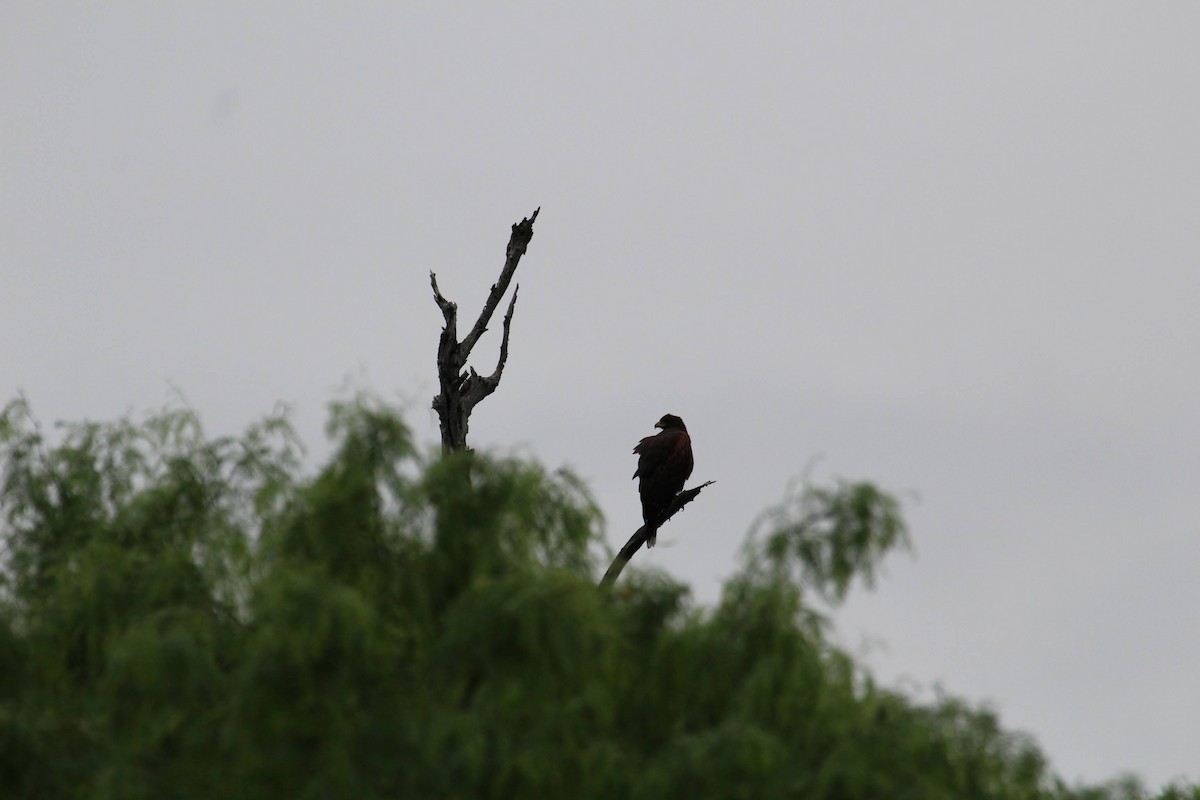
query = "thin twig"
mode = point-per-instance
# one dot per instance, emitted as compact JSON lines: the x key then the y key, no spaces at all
{"x":493,"y":380}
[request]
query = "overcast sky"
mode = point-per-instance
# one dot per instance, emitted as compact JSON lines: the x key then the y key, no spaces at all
{"x":951,"y":249}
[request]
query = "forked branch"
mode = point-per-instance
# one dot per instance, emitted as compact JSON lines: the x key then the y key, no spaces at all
{"x":459,"y":393}
{"x":643,"y":533}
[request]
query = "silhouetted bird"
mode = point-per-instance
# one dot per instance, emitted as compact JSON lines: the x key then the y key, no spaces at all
{"x":664,"y":463}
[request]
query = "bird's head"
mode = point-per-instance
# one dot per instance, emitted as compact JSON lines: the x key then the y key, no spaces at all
{"x":670,"y":422}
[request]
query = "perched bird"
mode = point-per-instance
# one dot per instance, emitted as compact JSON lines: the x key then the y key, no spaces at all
{"x":664,"y":463}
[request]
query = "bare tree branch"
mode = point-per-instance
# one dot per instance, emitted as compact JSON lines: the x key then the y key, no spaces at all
{"x":522,"y":232}
{"x":458,"y":393}
{"x":446,"y":344}
{"x":488,"y":385}
{"x":643,"y":533}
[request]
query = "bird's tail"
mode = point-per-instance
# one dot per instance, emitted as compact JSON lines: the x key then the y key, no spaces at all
{"x":652,"y":539}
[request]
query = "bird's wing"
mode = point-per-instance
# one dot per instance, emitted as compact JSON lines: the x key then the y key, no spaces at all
{"x":645,"y":448}
{"x":668,"y":451}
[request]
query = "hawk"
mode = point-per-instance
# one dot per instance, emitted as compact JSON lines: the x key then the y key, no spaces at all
{"x":664,"y":463}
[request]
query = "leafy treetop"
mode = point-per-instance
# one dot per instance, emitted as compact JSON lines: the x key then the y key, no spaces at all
{"x":190,"y":617}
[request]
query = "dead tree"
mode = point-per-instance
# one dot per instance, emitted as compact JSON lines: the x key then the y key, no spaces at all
{"x":643,"y":533}
{"x":459,"y":392}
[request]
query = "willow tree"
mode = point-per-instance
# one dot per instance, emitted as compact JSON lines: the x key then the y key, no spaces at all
{"x":193,"y":617}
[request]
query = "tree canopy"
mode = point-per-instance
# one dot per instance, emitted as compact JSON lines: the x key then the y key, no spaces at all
{"x":193,"y":617}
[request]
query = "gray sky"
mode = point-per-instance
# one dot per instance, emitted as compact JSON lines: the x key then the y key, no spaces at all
{"x":948,"y":248}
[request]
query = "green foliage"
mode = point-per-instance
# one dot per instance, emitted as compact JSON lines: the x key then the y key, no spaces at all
{"x":829,"y":536}
{"x":191,"y":617}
